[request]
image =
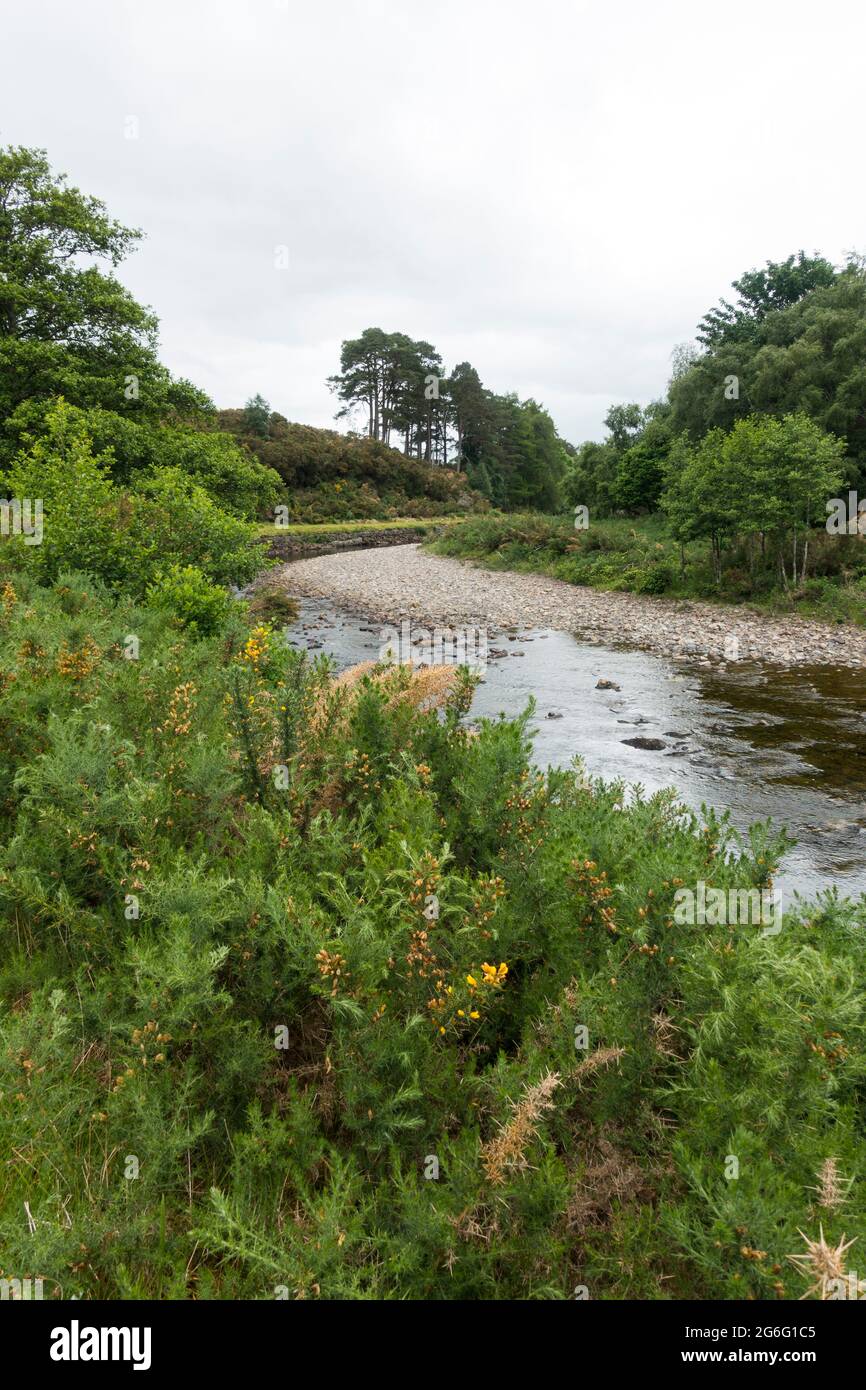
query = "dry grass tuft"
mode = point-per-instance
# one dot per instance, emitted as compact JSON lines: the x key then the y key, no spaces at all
{"x":423,"y":688}
{"x":428,"y":687}
{"x":608,"y":1176}
{"x":832,"y":1187}
{"x":507,"y":1151}
{"x":328,"y":698}
{"x":602,"y":1057}
{"x":353,"y":675}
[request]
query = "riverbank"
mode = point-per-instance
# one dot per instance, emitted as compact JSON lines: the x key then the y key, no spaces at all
{"x":638,"y":555}
{"x":406,"y":582}
{"x":299,"y":540}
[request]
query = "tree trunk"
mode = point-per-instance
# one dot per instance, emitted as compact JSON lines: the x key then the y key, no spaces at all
{"x":783,"y":572}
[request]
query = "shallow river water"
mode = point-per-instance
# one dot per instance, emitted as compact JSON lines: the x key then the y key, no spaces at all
{"x":759,"y":742}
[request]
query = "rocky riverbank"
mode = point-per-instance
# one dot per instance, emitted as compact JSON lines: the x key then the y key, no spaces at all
{"x":403,"y":581}
{"x":297,"y":547}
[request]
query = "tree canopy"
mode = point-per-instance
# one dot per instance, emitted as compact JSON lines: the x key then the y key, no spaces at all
{"x":792,"y":344}
{"x":808,"y":355}
{"x":67,"y":326}
{"x":509,"y":448}
{"x":766,"y":477}
{"x":760,"y":292}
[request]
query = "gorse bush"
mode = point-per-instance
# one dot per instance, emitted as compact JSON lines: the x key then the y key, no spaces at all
{"x":309,"y":989}
{"x":332,"y":476}
{"x":353,"y":501}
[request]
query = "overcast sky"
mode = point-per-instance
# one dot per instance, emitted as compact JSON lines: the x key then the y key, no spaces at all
{"x":553,"y":191}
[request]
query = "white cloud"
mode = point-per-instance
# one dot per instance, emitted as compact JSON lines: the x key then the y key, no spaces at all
{"x":556,"y":192}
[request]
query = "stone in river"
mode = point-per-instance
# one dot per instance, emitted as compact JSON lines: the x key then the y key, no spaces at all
{"x":651,"y":745}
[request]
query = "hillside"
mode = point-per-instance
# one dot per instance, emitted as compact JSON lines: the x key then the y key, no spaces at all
{"x":348,"y":476}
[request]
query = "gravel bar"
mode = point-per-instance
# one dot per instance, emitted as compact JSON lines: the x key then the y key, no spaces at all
{"x":406,"y":582}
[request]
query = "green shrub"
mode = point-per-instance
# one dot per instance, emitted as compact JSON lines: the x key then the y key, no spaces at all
{"x":232,"y":477}
{"x":82,"y":522}
{"x":173,"y":517}
{"x":641,"y":557}
{"x":189,"y":598}
{"x":124,"y":538}
{"x":655,"y":580}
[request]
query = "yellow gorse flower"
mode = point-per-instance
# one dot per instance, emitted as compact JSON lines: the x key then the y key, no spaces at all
{"x":493,"y":974}
{"x":257,"y":646}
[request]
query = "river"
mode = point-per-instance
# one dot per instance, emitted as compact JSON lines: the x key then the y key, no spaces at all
{"x":757,"y":741}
